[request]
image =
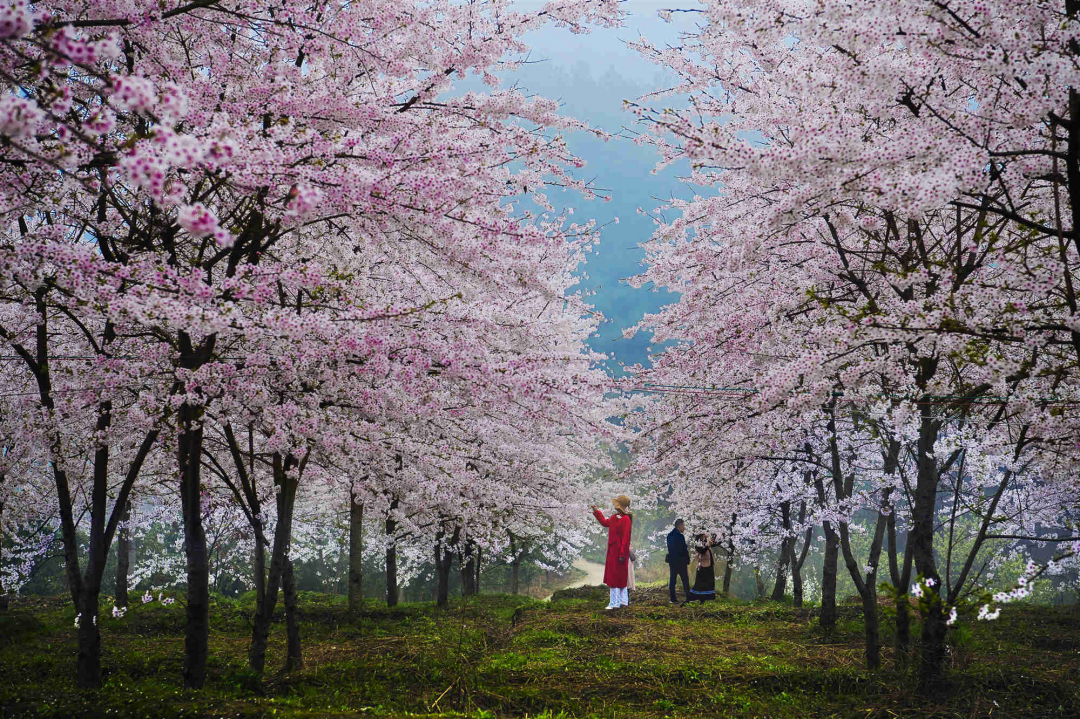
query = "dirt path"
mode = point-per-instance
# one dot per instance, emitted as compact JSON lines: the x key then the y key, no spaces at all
{"x":594,"y":575}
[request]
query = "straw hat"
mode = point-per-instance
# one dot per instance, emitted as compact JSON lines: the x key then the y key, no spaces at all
{"x":621,"y":502}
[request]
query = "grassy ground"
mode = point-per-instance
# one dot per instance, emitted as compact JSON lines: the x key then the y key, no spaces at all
{"x":500,"y":656}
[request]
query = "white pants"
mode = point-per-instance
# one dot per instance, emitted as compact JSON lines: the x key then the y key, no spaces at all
{"x":620,"y":597}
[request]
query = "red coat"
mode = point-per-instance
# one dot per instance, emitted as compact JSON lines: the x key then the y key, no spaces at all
{"x":618,"y":548}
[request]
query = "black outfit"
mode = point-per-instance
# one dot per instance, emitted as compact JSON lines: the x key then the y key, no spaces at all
{"x":678,"y":559}
{"x":704,"y":582}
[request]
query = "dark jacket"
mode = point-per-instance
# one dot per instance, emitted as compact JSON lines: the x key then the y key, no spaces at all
{"x":677,"y":553}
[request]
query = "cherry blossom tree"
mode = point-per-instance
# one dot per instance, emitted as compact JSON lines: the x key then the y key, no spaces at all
{"x":889,"y":233}
{"x":219,"y":188}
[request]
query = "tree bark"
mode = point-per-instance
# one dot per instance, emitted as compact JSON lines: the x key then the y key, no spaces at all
{"x":827,"y":619}
{"x":356,"y":554}
{"x":391,"y":558}
{"x":89,"y":655}
{"x":515,"y":566}
{"x":866,"y":586}
{"x":479,"y":565}
{"x":468,"y":570}
{"x":189,"y":461}
{"x":3,"y":594}
{"x":294,"y":660}
{"x":900,"y":579}
{"x":123,"y":557}
{"x":259,"y":572}
{"x":784,"y":560}
{"x":197,"y":634}
{"x":444,"y":558}
{"x":759,"y":582}
{"x":729,"y":555}
{"x":921,"y":543}
{"x":797,"y":561}
{"x":248,"y":493}
{"x":285,"y":485}
{"x":828,"y":578}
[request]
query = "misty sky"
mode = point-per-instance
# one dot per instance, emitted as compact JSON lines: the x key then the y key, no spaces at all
{"x":592,"y":75}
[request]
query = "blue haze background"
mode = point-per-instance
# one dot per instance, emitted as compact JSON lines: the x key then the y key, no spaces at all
{"x":591,"y":75}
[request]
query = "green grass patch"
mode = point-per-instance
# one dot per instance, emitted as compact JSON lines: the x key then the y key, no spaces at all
{"x":503,"y":656}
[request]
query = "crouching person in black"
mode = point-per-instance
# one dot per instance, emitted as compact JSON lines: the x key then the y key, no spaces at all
{"x":678,"y":559}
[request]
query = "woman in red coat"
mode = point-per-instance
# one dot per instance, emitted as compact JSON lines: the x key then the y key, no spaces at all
{"x":618,"y":550}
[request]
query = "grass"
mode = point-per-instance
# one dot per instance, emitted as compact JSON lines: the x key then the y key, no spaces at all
{"x":503,"y":656}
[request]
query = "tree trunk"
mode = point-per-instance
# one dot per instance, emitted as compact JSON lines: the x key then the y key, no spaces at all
{"x":294,"y":660}
{"x":782,"y":564}
{"x":197,"y":635}
{"x":468,"y":570}
{"x":391,"y":559}
{"x":285,"y":485}
{"x":784,"y":560}
{"x":89,"y":656}
{"x":797,"y":561}
{"x":123,"y":558}
{"x":259,"y":572}
{"x":828,"y":578}
{"x":444,"y":558}
{"x":921,"y":543}
{"x":515,"y":566}
{"x":796,"y":584}
{"x":759,"y":582}
{"x":356,"y":555}
{"x":867,"y":587}
{"x":729,"y":555}
{"x":479,"y":564}
{"x":900,"y":579}
{"x":827,"y":619}
{"x":3,"y":594}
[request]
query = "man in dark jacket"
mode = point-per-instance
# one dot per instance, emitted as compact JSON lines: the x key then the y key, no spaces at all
{"x":678,"y":559}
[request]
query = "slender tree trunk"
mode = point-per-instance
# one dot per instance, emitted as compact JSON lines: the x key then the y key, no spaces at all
{"x":759,"y":582}
{"x":828,"y":578}
{"x":479,"y":565}
{"x":730,"y":554}
{"x":796,"y":582}
{"x":197,"y":636}
{"x":782,"y":564}
{"x":259,"y":563}
{"x":900,"y":579}
{"x":468,"y":570}
{"x":921,"y":543}
{"x":89,"y":657}
{"x":828,"y":565}
{"x":356,"y":555}
{"x":294,"y":660}
{"x":189,"y":461}
{"x":391,"y":558}
{"x":867,"y":588}
{"x":798,"y":561}
{"x":442,"y":576}
{"x":784,"y":560}
{"x":285,"y":485}
{"x":515,"y":566}
{"x":3,"y":594}
{"x":123,"y":558}
{"x":444,"y":558}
